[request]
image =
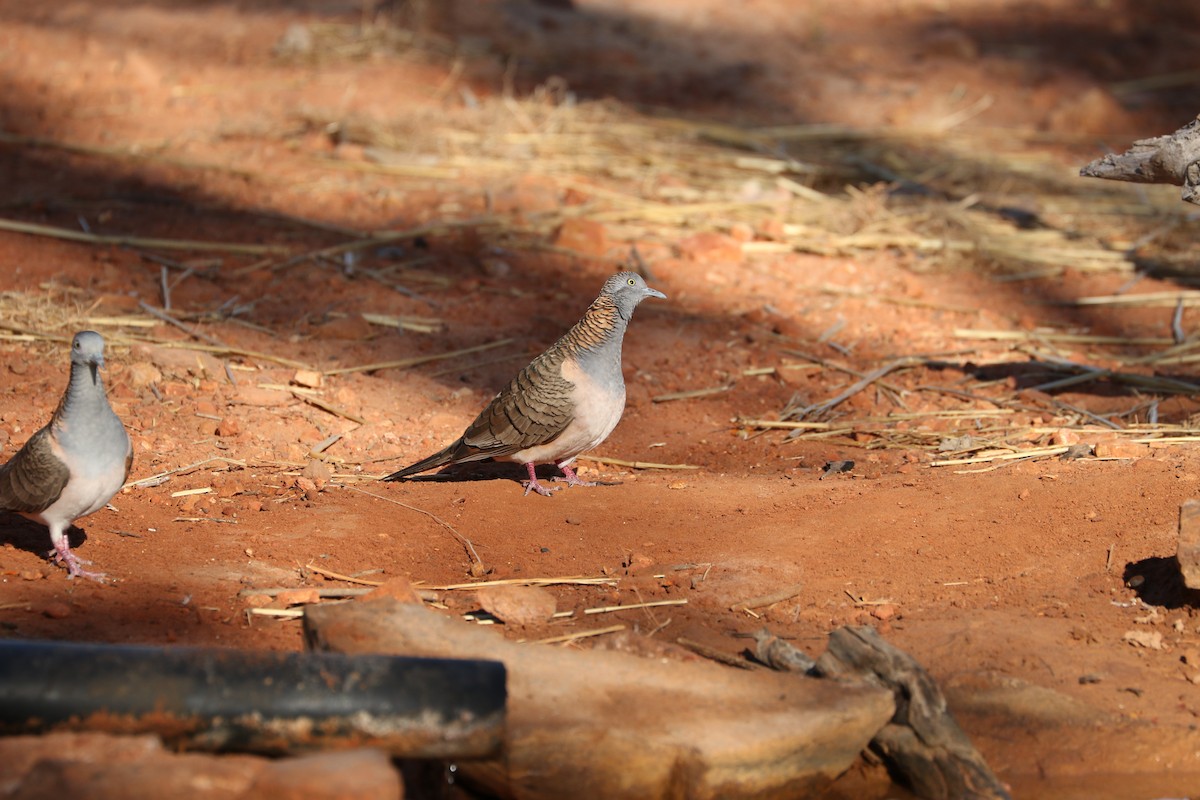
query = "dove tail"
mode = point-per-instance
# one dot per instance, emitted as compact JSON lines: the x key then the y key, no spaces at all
{"x":436,"y":460}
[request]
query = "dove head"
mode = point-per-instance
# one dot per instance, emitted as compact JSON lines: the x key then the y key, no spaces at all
{"x":627,"y":289}
{"x":87,"y":349}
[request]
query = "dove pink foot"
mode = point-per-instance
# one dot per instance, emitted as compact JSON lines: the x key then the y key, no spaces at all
{"x":533,"y":485}
{"x":571,"y":479}
{"x":62,"y":555}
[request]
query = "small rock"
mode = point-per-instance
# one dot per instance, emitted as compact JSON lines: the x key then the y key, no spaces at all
{"x":1151,"y":640}
{"x":307,"y":486}
{"x":256,"y":396}
{"x":31,"y":575}
{"x":1121,"y":450}
{"x":400,"y":589}
{"x":143,"y":374}
{"x":57,"y":610}
{"x":884,"y":611}
{"x":308,"y":377}
{"x":518,"y":605}
{"x":319,"y":473}
{"x":638,"y":562}
{"x":296,"y":597}
{"x":1064,"y":437}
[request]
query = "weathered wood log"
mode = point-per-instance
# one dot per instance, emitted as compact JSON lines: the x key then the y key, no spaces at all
{"x":922,"y":745}
{"x":1188,"y":549}
{"x":1173,"y":159}
{"x":602,"y":724}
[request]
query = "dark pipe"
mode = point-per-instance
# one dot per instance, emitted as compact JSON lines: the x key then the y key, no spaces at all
{"x":238,"y":700}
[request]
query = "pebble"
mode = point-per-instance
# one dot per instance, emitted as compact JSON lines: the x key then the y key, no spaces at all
{"x":57,"y":610}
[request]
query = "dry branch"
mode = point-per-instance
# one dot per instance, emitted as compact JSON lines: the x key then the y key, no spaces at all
{"x":1173,"y":159}
{"x":923,"y":742}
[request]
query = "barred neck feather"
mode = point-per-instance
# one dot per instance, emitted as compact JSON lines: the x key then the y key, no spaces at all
{"x":602,"y":327}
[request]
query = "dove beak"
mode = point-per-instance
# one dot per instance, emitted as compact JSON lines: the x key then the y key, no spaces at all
{"x":655,"y":293}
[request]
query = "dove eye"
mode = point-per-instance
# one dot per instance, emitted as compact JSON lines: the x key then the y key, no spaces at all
{"x":630,"y":281}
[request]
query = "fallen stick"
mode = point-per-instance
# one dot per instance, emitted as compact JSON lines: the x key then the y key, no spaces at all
{"x":33,"y":229}
{"x":922,"y":743}
{"x":1171,"y":159}
{"x":404,"y":363}
{"x":768,"y":599}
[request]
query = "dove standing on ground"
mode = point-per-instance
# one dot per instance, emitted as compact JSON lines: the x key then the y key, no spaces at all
{"x":567,"y":401}
{"x":75,"y":464}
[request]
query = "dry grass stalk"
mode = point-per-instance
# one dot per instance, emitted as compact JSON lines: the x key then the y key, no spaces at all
{"x":691,"y":394}
{"x":404,"y":363}
{"x":571,"y":580}
{"x":477,"y":566}
{"x":649,"y":604}
{"x":67,"y":234}
{"x":620,"y":462}
{"x":570,"y":637}
{"x":1039,"y":452}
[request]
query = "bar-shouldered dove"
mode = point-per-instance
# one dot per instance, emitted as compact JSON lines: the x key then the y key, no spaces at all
{"x":567,"y":401}
{"x":75,"y":464}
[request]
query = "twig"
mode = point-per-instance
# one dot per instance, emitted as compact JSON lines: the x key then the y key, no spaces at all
{"x":618,"y":462}
{"x":715,"y":655}
{"x":163,"y":477}
{"x":572,"y":580}
{"x":222,"y":520}
{"x":414,"y":361}
{"x":53,"y":232}
{"x":580,"y":635}
{"x":768,"y":599}
{"x":326,"y":443}
{"x":336,"y":591}
{"x":339,"y":577}
{"x":190,"y":492}
{"x":1052,"y":336}
{"x":464,"y":541}
{"x":375,"y":240}
{"x":692,"y":394}
{"x":782,"y":424}
{"x":165,"y":317}
{"x":867,"y":380}
{"x":331,"y":592}
{"x":649,"y":604}
{"x":1036,"y":453}
{"x":332,"y":409}
{"x":286,"y":613}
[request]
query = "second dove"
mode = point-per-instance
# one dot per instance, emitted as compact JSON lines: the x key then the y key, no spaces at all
{"x":566,"y":402}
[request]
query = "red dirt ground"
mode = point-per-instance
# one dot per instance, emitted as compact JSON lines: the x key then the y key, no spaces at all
{"x":1010,"y":585}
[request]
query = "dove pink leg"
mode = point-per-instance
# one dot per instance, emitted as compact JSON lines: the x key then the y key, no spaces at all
{"x":533,"y":485}
{"x":571,"y":478}
{"x":62,"y":555}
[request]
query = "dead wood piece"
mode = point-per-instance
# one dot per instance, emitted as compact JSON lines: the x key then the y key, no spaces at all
{"x":1188,"y":552}
{"x":922,"y":745}
{"x":589,"y":723}
{"x":1172,"y":159}
{"x":779,"y":655}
